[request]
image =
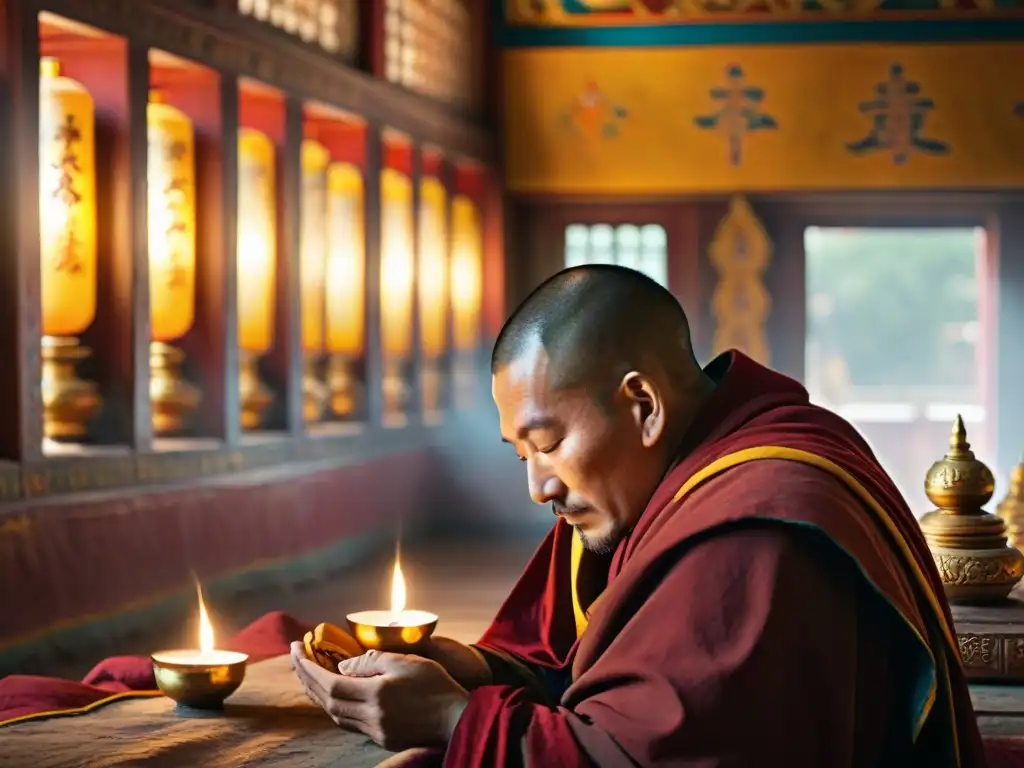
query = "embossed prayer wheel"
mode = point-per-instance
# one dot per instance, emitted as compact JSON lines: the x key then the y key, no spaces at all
{"x":969,"y":545}
{"x":1011,"y":508}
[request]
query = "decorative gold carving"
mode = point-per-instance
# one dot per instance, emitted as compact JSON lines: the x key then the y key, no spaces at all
{"x":740,"y":252}
{"x":968,"y":544}
{"x":1011,"y":508}
{"x":960,"y":570}
{"x":977,"y":650}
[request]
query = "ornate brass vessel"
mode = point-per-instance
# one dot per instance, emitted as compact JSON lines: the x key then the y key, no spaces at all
{"x":969,"y":544}
{"x":1011,"y":508}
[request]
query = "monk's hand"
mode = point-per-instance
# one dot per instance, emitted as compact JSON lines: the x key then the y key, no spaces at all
{"x":400,"y":702}
{"x":460,"y":661}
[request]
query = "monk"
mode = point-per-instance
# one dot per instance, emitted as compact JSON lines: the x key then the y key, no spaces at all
{"x":733,"y":580}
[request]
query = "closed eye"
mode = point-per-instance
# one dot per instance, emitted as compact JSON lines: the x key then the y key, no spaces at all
{"x":552,"y":447}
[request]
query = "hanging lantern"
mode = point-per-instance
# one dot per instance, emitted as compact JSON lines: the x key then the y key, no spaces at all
{"x":432,"y":277}
{"x":256,"y":268}
{"x":171,"y":186}
{"x":396,"y":291}
{"x":466,"y":293}
{"x":345,"y":286}
{"x":313,"y":250}
{"x":67,"y":249}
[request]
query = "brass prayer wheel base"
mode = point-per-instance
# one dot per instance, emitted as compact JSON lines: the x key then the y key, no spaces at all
{"x":432,"y":383}
{"x":396,"y":395}
{"x":69,"y":403}
{"x":974,"y":577}
{"x":253,"y":396}
{"x":315,"y":394}
{"x":465,"y":382}
{"x":171,"y":397}
{"x":344,"y":386}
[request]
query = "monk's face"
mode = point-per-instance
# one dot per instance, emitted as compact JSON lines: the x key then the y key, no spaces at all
{"x":597,"y":466}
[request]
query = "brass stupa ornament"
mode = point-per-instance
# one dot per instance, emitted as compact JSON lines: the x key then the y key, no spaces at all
{"x":975,"y":563}
{"x":1011,"y":508}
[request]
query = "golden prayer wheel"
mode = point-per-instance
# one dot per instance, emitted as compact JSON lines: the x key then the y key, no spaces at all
{"x":313,"y":255}
{"x":345,"y":288}
{"x":67,"y":249}
{"x":397,"y":288}
{"x":257,"y":268}
{"x":432,"y":278}
{"x":968,"y":544}
{"x":171,"y":177}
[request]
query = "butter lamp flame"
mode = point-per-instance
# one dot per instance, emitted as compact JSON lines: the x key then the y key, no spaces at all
{"x":397,"y":630}
{"x":203,"y":678}
{"x":206,"y":639}
{"x":398,"y":595}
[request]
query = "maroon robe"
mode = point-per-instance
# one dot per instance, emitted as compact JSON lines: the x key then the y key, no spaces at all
{"x":785,"y":610}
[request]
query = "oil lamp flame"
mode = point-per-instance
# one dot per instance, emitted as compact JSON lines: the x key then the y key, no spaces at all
{"x":397,"y":590}
{"x":206,"y":644}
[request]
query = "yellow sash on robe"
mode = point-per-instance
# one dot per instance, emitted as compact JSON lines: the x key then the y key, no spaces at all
{"x":792,"y":454}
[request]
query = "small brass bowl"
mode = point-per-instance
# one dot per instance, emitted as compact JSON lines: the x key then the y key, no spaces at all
{"x":379,"y":631}
{"x":198,"y":680}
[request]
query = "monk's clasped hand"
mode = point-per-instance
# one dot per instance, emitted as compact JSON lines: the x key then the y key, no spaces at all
{"x":398,"y":701}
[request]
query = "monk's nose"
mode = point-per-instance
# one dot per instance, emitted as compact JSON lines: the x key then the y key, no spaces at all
{"x":545,"y":487}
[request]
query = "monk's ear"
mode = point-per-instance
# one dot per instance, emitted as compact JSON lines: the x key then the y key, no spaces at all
{"x":646,"y":406}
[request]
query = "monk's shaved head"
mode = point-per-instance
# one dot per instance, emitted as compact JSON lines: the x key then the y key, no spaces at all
{"x":596,"y":383}
{"x":596,"y":323}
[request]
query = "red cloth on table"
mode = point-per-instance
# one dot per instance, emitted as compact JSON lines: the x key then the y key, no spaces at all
{"x":23,"y":696}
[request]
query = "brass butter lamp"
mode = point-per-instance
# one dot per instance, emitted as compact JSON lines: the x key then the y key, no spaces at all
{"x":257,"y":269}
{"x":968,"y":544}
{"x":466,"y":296}
{"x":432,"y":273}
{"x":345,"y":288}
{"x":67,"y":249}
{"x":1011,"y":508}
{"x":397,"y":285}
{"x":395,"y":631}
{"x":172,"y":260}
{"x":199,"y":678}
{"x":313,"y":258}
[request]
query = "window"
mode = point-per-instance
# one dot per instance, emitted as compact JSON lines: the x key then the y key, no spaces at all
{"x":894,"y":341}
{"x":640,"y":247}
{"x":331,"y":24}
{"x":428,"y":48}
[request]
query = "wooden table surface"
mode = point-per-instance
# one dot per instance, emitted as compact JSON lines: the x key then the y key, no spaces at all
{"x":268,"y":721}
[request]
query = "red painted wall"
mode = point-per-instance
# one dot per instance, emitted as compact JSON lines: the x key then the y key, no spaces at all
{"x":67,"y":561}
